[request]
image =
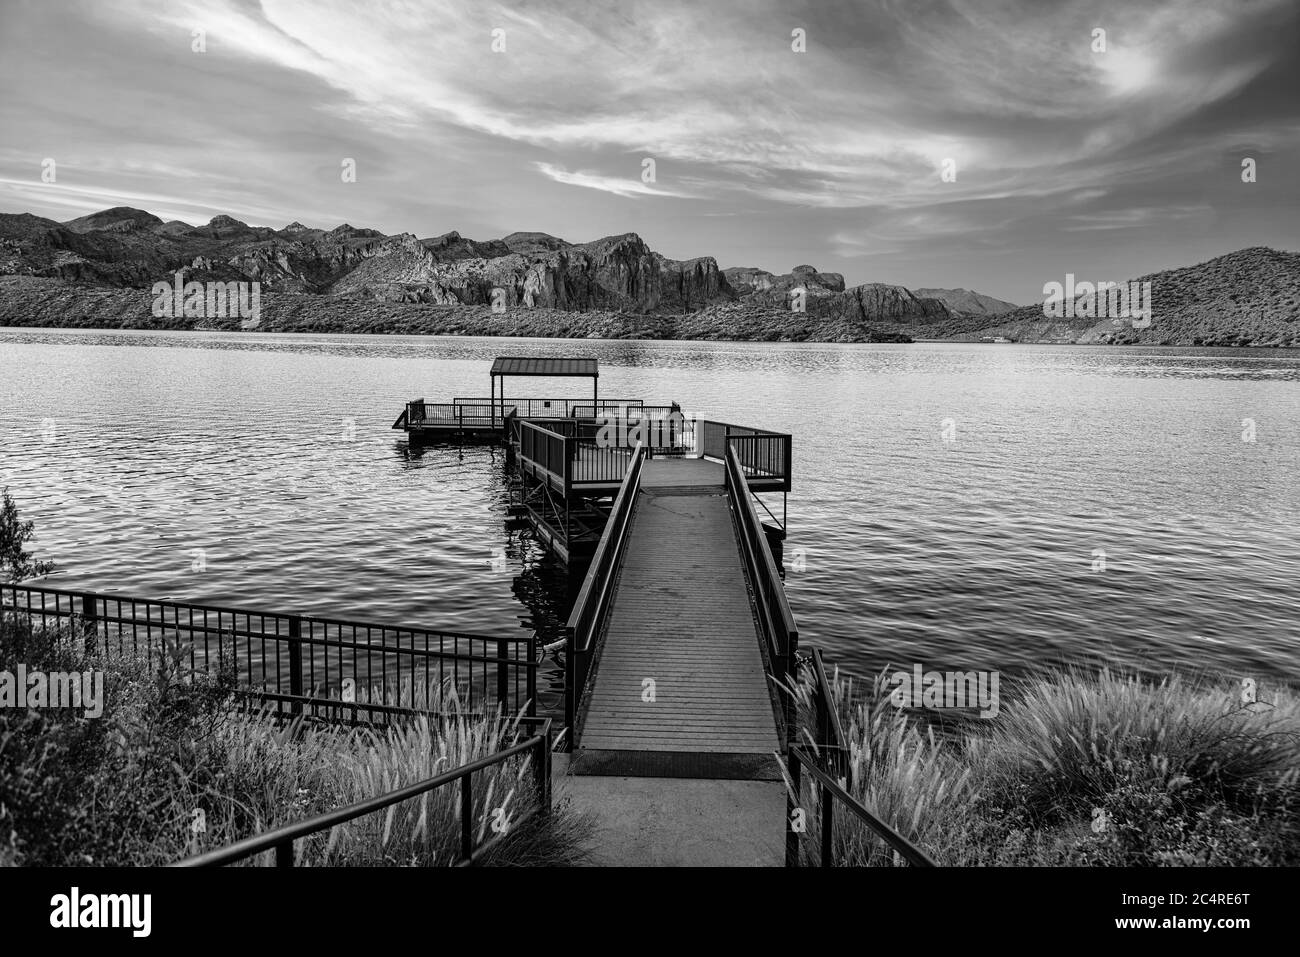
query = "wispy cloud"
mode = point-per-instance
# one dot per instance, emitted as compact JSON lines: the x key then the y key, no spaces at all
{"x":618,"y":185}
{"x":836,"y":151}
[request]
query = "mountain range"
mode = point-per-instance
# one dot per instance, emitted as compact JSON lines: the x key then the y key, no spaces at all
{"x":98,"y":270}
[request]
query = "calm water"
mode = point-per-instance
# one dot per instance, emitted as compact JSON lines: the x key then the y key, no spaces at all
{"x":273,"y":455}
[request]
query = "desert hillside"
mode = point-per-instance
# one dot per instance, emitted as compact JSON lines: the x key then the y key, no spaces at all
{"x":96,"y":271}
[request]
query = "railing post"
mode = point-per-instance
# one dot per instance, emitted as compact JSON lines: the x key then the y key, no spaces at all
{"x":284,"y":854}
{"x":295,"y":663}
{"x":542,"y":770}
{"x":532,"y":675}
{"x":791,"y":806}
{"x":503,"y":676}
{"x":570,"y":692}
{"x":828,"y":828}
{"x":466,"y":812}
{"x":791,"y":673}
{"x":823,"y":718}
{"x":89,"y":619}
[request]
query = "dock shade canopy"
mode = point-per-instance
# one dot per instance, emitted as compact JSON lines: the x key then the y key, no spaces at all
{"x":542,"y":368}
{"x":522,"y":365}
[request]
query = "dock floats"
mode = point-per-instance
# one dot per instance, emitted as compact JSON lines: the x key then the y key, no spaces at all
{"x":681,"y":639}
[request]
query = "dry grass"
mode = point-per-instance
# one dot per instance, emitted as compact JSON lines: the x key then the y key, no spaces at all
{"x":172,"y":751}
{"x":1078,"y":769}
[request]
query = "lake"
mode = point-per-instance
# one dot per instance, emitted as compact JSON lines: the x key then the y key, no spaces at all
{"x":957,"y":505}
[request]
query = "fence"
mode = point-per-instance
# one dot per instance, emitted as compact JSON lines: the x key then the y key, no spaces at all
{"x":831,"y":775}
{"x":565,"y":452}
{"x":302,"y":664}
{"x":541,"y":408}
{"x":764,"y":457}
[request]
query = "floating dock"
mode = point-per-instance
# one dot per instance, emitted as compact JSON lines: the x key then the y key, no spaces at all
{"x":681,"y":638}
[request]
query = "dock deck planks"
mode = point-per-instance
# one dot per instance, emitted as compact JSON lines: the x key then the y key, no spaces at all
{"x":681,"y":616}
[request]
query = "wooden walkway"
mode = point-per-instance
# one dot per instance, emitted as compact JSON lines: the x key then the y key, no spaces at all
{"x":680,"y":688}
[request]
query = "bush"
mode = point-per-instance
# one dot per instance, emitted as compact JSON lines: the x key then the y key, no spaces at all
{"x":175,"y":748}
{"x":1079,"y":769}
{"x":15,"y":564}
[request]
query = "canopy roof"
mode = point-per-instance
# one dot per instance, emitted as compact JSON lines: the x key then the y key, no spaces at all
{"x":525,"y":366}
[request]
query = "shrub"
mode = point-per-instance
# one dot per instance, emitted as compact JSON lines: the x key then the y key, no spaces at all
{"x":1077,"y":769}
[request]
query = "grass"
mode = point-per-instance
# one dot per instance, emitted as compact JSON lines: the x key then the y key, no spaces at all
{"x":174,"y":766}
{"x":1077,"y":769}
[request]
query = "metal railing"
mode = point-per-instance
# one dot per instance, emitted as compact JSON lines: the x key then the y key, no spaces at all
{"x":543,"y":408}
{"x":281,"y":840}
{"x":775,"y":620}
{"x":764,"y":456}
{"x":832,"y":776}
{"x":473,"y":415}
{"x":302,"y":664}
{"x":662,"y":429}
{"x":543,"y":450}
{"x":583,"y":630}
{"x":566,"y":452}
{"x":831,"y":794}
{"x":831,"y":741}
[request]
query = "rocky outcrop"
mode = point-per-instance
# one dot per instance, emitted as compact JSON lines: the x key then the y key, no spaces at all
{"x":878,"y":302}
{"x":824,"y":295}
{"x":1250,"y":297}
{"x":967,"y":301}
{"x":119,"y":219}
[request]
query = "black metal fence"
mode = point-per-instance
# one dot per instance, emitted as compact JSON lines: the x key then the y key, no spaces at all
{"x":542,"y":408}
{"x":764,"y":457}
{"x":830,"y":771}
{"x":567,"y":453}
{"x":301,"y":664}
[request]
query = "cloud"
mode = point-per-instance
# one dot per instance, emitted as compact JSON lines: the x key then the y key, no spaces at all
{"x":618,"y":185}
{"x":835,"y":151}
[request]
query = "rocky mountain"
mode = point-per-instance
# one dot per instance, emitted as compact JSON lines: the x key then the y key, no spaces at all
{"x":967,"y":301}
{"x":100,"y":268}
{"x":127,"y":247}
{"x":1250,"y":297}
{"x":823,"y":295}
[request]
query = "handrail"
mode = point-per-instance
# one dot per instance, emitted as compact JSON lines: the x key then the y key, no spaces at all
{"x":296,"y":659}
{"x":544,"y":407}
{"x":776,"y":621}
{"x":765,"y":456}
{"x":830,"y":732}
{"x":567,"y":452}
{"x":281,"y":839}
{"x":832,"y":791}
{"x":592,"y":604}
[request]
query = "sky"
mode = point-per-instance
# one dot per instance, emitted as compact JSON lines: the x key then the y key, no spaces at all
{"x":490,"y":118}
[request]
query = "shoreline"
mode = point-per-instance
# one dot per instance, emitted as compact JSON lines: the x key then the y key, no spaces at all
{"x":182,"y":328}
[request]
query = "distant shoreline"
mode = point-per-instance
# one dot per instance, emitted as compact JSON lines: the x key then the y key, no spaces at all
{"x":39,"y":302}
{"x":721,"y":341}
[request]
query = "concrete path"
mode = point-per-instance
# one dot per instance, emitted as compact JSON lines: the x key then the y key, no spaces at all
{"x":680,"y":822}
